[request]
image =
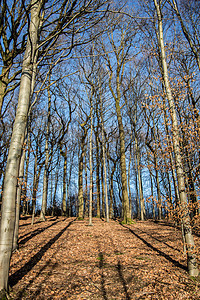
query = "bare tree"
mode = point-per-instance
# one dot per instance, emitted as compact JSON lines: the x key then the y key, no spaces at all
{"x":12,"y":169}
{"x":192,"y":264}
{"x":64,"y":15}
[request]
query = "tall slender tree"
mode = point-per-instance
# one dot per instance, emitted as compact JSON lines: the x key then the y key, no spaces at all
{"x":191,"y":257}
{"x":17,"y":140}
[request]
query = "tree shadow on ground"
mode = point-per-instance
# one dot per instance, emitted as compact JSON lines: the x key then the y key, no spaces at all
{"x":38,"y":290}
{"x":120,"y":271}
{"x":118,"y":267}
{"x":195,"y":230}
{"x":24,"y":239}
{"x":121,"y":277}
{"x":159,"y":240}
{"x":102,"y":276}
{"x":169,"y":258}
{"x":18,"y":275}
{"x":37,"y":222}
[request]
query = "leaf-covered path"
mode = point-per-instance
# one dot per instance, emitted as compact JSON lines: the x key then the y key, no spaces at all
{"x":66,"y":259}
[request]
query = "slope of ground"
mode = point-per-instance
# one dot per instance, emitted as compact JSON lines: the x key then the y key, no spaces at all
{"x":67,"y":259}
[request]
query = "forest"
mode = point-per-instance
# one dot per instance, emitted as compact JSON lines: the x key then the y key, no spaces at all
{"x":99,"y":132}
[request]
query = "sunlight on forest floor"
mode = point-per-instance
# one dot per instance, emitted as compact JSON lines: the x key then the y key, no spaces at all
{"x":65,"y":259}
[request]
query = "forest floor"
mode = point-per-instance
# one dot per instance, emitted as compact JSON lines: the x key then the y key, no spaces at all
{"x":67,"y":259}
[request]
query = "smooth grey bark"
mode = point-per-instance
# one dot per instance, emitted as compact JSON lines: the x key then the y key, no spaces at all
{"x":105,"y":178}
{"x":111,"y":189}
{"x":80,"y":173}
{"x":90,"y":159}
{"x":153,"y":201}
{"x":14,"y":155}
{"x":86,"y":212}
{"x":64,"y":204}
{"x":136,"y":185}
{"x":97,"y":174}
{"x":142,"y":206}
{"x":151,"y":181}
{"x":190,"y":246}
{"x":45,"y":185}
{"x":18,"y":200}
{"x":24,"y":190}
{"x":34,"y":191}
{"x":56,"y":185}
{"x":36,"y":178}
{"x":104,"y":159}
{"x":80,"y":183}
{"x":46,"y":166}
{"x":68,"y":184}
{"x":155,"y":154}
{"x":129,"y":177}
{"x":102,"y":186}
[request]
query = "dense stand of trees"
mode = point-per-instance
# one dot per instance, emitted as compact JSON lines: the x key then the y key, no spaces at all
{"x":99,"y":114}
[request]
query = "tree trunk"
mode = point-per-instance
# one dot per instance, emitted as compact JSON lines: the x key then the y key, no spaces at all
{"x":34,"y":191}
{"x":80,"y":177}
{"x":35,"y":187}
{"x":18,"y":201}
{"x":64,"y":206}
{"x":129,"y":176}
{"x":55,"y":187}
{"x":104,"y":159}
{"x":46,"y":167}
{"x":24,"y":190}
{"x":111,"y":191}
{"x":68,"y":185}
{"x":45,"y":185}
{"x":3,"y":85}
{"x":105,"y":180}
{"x":126,"y":211}
{"x":151,"y":180}
{"x":191,"y":257}
{"x":102,"y":187}
{"x":86,"y":191}
{"x":190,"y":185}
{"x":97,"y":176}
{"x":142,"y":206}
{"x":170,"y":154}
{"x":136,"y":185}
{"x":155,"y":153}
{"x":14,"y":155}
{"x":91,"y":166}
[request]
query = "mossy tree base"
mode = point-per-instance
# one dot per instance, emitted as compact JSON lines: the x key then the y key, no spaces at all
{"x":128,"y":221}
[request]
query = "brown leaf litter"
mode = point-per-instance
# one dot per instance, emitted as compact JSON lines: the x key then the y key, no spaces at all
{"x":64,"y":258}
